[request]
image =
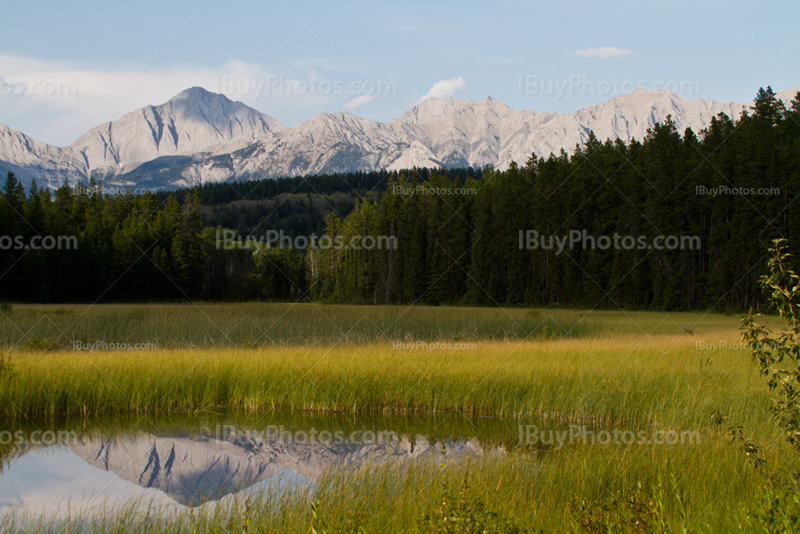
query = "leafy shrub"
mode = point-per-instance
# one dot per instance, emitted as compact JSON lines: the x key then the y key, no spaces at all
{"x":777,"y":513}
{"x":778,"y":357}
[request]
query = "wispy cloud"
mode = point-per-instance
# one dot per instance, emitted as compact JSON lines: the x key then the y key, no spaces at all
{"x":56,"y":101}
{"x":359,"y":102}
{"x":608,"y":52}
{"x":446,"y":88}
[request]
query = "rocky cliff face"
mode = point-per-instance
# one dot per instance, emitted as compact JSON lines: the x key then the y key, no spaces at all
{"x":451,"y":133}
{"x":200,"y":137}
{"x":193,"y":123}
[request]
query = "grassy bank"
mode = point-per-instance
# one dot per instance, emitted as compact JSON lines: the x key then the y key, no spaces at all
{"x":664,"y":380}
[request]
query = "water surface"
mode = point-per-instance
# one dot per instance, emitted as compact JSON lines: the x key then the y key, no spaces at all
{"x":56,"y":468}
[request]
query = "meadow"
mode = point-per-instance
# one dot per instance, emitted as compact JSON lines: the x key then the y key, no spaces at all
{"x":255,"y":325}
{"x":638,"y":371}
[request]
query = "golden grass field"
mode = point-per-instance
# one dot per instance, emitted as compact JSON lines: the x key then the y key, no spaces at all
{"x":641,"y":371}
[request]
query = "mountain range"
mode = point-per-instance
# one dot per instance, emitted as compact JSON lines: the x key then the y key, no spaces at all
{"x":194,"y":469}
{"x":199,"y":137}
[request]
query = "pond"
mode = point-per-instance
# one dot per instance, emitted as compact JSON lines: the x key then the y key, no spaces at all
{"x":57,"y":468}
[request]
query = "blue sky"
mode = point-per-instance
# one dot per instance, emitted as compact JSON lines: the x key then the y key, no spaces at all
{"x":68,"y":66}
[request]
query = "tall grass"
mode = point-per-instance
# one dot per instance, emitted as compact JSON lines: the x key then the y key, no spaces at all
{"x":593,"y":381}
{"x":265,"y":324}
{"x":393,"y":497}
{"x":639,"y":371}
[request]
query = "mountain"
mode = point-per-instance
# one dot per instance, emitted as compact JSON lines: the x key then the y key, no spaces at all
{"x":193,"y":123}
{"x":200,"y":137}
{"x":29,"y":158}
{"x":450,"y":133}
{"x":194,"y":469}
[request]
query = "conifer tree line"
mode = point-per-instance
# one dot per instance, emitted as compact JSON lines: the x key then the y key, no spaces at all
{"x":163,"y":246}
{"x":465,"y":248}
{"x":457,"y":231}
{"x":128,"y":248}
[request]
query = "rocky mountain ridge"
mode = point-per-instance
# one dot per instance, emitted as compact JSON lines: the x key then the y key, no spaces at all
{"x":199,"y":137}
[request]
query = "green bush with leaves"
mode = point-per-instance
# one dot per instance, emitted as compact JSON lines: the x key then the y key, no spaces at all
{"x":778,"y":357}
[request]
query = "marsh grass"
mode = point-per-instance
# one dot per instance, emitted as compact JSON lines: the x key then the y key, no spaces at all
{"x":255,"y":325}
{"x":663,"y":381}
{"x":285,"y":364}
{"x":394,"y":497}
{"x":264,"y":324}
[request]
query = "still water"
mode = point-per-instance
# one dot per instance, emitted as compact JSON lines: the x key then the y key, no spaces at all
{"x":57,"y":469}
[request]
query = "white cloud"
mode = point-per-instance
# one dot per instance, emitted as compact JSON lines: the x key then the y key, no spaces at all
{"x":359,"y":101}
{"x":446,"y":88}
{"x":57,"y":101}
{"x":608,"y":52}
